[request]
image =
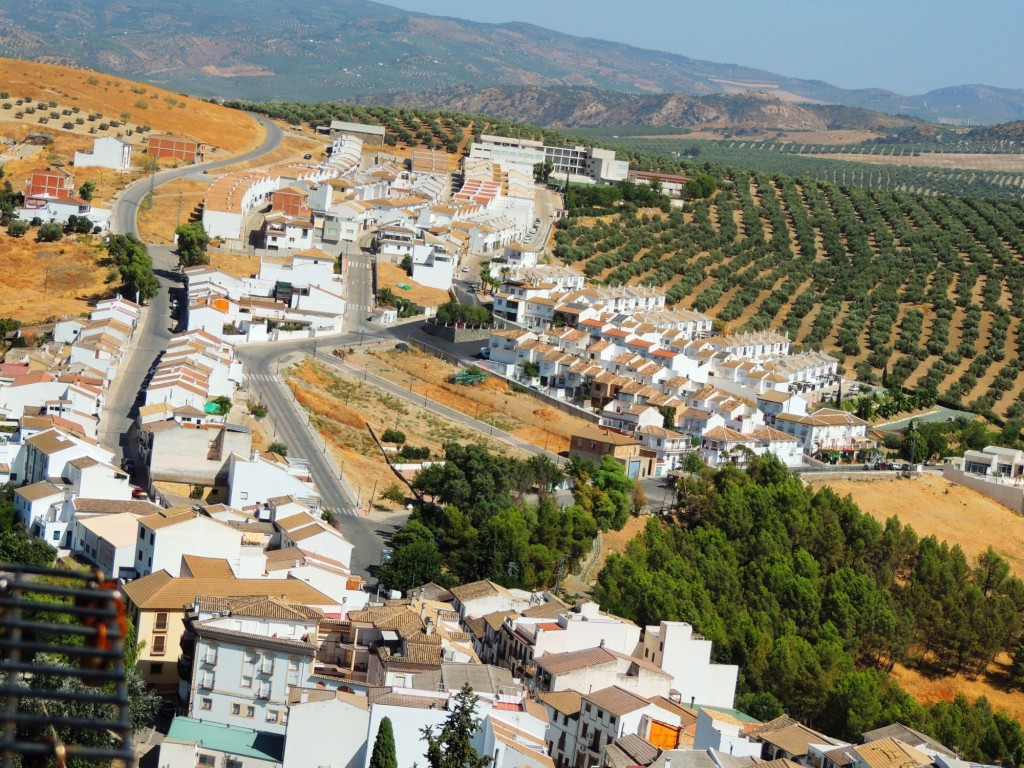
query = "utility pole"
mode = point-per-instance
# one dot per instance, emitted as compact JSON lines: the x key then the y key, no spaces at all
{"x":177,"y":223}
{"x":369,"y":506}
{"x":152,"y":184}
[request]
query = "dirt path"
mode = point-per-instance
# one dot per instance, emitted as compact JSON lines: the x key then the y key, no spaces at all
{"x":611,"y":542}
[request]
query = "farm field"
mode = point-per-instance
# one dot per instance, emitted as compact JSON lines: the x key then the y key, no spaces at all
{"x":928,"y":291}
{"x":991,"y":169}
{"x":342,"y":407}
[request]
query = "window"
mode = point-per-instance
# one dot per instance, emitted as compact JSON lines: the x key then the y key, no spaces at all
{"x":244,"y":495}
{"x":206,"y":761}
{"x":56,"y":535}
{"x":232,"y":763}
{"x":247,"y":681}
{"x":159,"y":645}
{"x":273,"y":715}
{"x":250,"y":711}
{"x":152,"y":537}
{"x":236,"y":709}
{"x":156,"y":668}
{"x":206,"y":704}
{"x":161,"y":622}
{"x":139,"y":556}
{"x":142,"y":535}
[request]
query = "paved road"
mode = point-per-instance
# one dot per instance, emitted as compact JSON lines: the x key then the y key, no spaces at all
{"x":367,"y":536}
{"x":151,"y":338}
{"x":149,"y":341}
{"x":122,"y":217}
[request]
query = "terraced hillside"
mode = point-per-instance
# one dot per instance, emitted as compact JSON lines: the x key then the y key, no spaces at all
{"x":924,"y":291}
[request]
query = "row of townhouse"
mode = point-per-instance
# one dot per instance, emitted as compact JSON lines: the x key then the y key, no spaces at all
{"x":641,"y":366}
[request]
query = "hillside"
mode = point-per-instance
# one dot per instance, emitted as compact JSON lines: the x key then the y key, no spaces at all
{"x":138,"y":103}
{"x":925,"y":292}
{"x":578,"y":107}
{"x":46,"y":280}
{"x":350,"y":48}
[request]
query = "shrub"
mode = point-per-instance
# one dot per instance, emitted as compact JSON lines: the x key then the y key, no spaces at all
{"x":393,"y":436}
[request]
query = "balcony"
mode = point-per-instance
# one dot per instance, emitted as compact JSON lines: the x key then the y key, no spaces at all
{"x":210,"y":657}
{"x":264,"y":691}
{"x":266,"y":667}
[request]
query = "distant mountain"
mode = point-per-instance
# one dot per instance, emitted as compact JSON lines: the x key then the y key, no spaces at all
{"x":567,"y":107}
{"x":311,"y":50}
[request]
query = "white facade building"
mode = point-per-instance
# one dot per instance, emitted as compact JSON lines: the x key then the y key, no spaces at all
{"x":107,"y":152}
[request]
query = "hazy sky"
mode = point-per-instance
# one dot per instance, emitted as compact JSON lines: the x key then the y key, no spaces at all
{"x":909,"y":46}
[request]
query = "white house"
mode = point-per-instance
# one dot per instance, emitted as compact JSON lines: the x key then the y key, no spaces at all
{"x":107,"y":152}
{"x":827,"y":429}
{"x":314,"y":738}
{"x":677,"y":649}
{"x":262,"y":477}
{"x":107,"y":541}
{"x":433,"y":267}
{"x":248,"y":652}
{"x":723,"y":732}
{"x":315,"y":536}
{"x":166,"y":536}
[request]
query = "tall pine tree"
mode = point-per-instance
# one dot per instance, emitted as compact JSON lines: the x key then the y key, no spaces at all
{"x":453,"y":747}
{"x":384,"y":755}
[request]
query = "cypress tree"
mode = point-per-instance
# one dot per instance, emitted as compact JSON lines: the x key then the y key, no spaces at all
{"x":384,"y":755}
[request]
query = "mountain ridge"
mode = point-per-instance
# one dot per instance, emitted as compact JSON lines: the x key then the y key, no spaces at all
{"x":351,"y":49}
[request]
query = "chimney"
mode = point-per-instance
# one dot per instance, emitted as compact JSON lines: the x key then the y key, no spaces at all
{"x":601,"y":644}
{"x":692,"y":700}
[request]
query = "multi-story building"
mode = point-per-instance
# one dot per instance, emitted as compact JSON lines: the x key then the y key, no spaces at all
{"x":240,"y":656}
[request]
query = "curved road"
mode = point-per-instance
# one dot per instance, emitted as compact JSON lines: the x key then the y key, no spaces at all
{"x":122,"y":217}
{"x":367,"y":536}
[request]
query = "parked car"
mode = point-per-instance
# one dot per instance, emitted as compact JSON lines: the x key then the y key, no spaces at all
{"x":485,"y":352}
{"x":139,"y":493}
{"x":385,"y":555}
{"x":307,"y":157}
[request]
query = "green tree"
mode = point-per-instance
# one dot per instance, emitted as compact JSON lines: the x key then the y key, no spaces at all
{"x":131,"y":258}
{"x":87,"y":190}
{"x":192,"y":243}
{"x":278,"y":447}
{"x":529,"y":369}
{"x":50,"y":232}
{"x":452,"y":746}
{"x":16,"y":546}
{"x":384,"y":754}
{"x":394,"y":494}
{"x":17,"y":228}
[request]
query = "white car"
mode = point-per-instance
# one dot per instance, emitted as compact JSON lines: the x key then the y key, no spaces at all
{"x":465,"y":269}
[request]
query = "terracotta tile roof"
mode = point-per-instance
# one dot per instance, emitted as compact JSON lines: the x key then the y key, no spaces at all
{"x":570,"y":661}
{"x":615,"y":700}
{"x":687,"y":716}
{"x":891,"y":753}
{"x":161,"y":591}
{"x":478,"y":589}
{"x":113,"y":507}
{"x":260,"y":606}
{"x":221,"y":633}
{"x":794,"y":739}
{"x":37,"y":491}
{"x":165,"y":518}
{"x":496,"y":619}
{"x":50,"y":442}
{"x":568,"y":703}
